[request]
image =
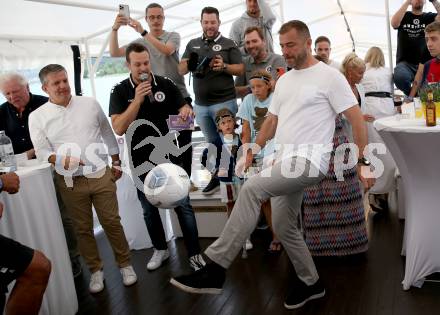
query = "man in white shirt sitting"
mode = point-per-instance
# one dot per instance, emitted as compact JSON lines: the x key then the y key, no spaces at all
{"x":73,"y":133}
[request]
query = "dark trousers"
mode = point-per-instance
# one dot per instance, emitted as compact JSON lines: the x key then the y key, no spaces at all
{"x":187,"y":221}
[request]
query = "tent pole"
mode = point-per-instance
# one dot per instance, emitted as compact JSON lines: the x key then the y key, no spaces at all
{"x":390,"y":47}
{"x":282,"y":11}
{"x":90,"y":68}
{"x":101,"y":53}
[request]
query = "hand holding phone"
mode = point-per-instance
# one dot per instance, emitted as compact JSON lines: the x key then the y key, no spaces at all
{"x":125,"y":11}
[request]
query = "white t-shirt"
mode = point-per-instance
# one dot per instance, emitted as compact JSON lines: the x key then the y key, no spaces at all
{"x":306,"y":102}
{"x":335,"y":64}
{"x":255,"y":112}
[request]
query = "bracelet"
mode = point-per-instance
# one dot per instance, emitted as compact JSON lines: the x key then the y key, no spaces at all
{"x":144,"y":33}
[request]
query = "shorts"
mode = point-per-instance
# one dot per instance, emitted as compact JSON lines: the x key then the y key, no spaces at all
{"x":14,"y":260}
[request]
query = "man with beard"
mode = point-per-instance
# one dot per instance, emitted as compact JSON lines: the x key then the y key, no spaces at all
{"x":163,"y":47}
{"x":213,"y":60}
{"x":258,"y":13}
{"x":299,"y":118}
{"x":411,"y":46}
{"x":258,"y":59}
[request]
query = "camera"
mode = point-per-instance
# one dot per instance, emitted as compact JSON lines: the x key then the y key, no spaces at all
{"x":199,"y":66}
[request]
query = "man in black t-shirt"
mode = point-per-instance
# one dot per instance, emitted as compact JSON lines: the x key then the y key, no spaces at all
{"x":411,"y":46}
{"x":139,"y":108}
{"x":213,"y":61}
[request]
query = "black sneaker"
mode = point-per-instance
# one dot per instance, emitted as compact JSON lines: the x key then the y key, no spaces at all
{"x":196,"y":262}
{"x":212,"y":187}
{"x":206,"y":280}
{"x":300,"y":293}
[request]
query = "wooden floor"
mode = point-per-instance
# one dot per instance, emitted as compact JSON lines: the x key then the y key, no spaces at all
{"x":367,"y":284}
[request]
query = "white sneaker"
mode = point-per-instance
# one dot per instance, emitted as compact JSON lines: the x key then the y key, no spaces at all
{"x":96,"y":282}
{"x":249,"y":245}
{"x":128,"y":276}
{"x":158,"y":257}
{"x":196,"y":262}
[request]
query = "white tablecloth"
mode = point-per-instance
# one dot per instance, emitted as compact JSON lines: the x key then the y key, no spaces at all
{"x":32,"y":218}
{"x":416,"y":150}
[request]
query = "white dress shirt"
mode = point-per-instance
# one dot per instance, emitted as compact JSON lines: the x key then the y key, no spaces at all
{"x":80,"y":130}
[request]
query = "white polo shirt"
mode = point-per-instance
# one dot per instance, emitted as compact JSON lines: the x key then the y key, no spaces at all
{"x":306,"y":102}
{"x":81,"y":125}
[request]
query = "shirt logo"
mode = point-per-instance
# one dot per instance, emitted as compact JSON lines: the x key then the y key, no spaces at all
{"x":416,"y":21}
{"x":159,"y":96}
{"x":217,"y":47}
{"x":269,"y":69}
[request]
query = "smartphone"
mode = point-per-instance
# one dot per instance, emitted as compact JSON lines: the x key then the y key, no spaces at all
{"x":124,"y":10}
{"x":281,"y":71}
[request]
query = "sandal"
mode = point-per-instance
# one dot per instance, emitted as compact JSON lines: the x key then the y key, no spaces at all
{"x":275,"y":247}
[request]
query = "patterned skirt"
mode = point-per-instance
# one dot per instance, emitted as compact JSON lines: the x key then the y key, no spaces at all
{"x":333,"y":212}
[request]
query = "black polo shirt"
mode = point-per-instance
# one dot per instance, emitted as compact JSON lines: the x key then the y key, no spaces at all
{"x":217,"y":86}
{"x":168,"y":101}
{"x":17,"y":127}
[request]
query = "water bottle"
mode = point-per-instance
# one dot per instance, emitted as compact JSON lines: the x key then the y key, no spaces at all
{"x":7,"y":157}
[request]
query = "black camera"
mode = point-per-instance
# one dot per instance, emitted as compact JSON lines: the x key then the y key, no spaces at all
{"x":198,"y":67}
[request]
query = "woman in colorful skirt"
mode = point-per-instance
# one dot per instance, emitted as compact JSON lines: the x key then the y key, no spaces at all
{"x":333,"y":211}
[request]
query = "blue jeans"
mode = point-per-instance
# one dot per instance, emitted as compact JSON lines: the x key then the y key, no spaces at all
{"x":205,"y":117}
{"x":187,"y":221}
{"x":404,"y":74}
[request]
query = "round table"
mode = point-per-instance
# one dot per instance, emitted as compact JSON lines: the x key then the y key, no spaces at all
{"x":416,"y":150}
{"x":32,"y":218}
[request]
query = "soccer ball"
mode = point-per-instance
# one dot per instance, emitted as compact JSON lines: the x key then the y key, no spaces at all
{"x":166,"y":186}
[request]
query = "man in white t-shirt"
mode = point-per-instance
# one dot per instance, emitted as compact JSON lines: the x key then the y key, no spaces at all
{"x":298,"y":118}
{"x":323,"y":49}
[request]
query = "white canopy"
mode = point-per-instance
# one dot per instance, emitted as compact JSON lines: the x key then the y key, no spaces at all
{"x":36,"y":32}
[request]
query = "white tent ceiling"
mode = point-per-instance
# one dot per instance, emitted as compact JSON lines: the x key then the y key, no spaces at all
{"x":36,"y":32}
{"x":77,"y":21}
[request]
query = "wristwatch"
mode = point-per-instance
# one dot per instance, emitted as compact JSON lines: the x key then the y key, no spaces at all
{"x":364,"y":161}
{"x":144,"y":33}
{"x":116,"y":163}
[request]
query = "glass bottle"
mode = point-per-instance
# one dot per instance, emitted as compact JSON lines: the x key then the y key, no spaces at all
{"x":7,"y":157}
{"x":430,"y":110}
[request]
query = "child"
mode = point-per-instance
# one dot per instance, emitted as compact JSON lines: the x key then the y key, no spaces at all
{"x":222,"y":162}
{"x":253,"y":112}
